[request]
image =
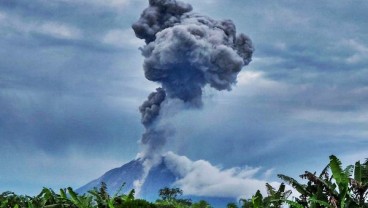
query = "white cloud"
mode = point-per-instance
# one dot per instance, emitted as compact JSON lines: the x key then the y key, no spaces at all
{"x":253,"y":83}
{"x":203,"y":179}
{"x":246,"y":77}
{"x":74,"y":169}
{"x":110,"y":3}
{"x":2,"y":17}
{"x":326,"y":116}
{"x":50,"y":28}
{"x":360,"y":51}
{"x":351,"y":158}
{"x":122,"y":38}
{"x":58,"y":30}
{"x":204,"y":2}
{"x":57,"y":171}
{"x":286,"y":16}
{"x":113,"y":3}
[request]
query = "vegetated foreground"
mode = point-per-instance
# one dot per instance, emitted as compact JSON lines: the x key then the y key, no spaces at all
{"x":334,"y":187}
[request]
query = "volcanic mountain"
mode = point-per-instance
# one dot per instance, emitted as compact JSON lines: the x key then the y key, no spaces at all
{"x":166,"y":173}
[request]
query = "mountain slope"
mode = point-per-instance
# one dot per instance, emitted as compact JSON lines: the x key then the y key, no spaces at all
{"x":158,"y":177}
{"x":116,"y":177}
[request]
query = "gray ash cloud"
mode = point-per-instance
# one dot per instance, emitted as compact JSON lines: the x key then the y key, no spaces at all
{"x":185,"y":52}
{"x":151,"y":107}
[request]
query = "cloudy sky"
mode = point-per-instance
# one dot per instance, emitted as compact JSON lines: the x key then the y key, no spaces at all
{"x":71,"y":81}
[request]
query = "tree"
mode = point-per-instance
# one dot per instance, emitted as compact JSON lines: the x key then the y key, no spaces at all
{"x":170,"y":194}
{"x":169,"y":198}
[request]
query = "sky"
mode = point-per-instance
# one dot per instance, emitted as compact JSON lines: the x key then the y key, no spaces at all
{"x":71,"y":82}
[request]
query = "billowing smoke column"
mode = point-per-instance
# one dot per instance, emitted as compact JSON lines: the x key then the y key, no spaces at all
{"x":185,"y":52}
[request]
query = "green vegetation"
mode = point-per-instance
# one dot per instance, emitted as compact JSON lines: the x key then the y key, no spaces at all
{"x":334,"y":187}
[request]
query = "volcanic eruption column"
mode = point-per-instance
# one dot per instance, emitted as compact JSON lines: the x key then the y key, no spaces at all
{"x":184,"y":52}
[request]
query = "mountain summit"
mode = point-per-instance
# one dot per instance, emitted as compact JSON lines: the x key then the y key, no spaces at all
{"x":129,"y":174}
{"x":170,"y":171}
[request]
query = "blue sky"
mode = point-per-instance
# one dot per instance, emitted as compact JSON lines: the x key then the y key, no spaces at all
{"x":71,"y":81}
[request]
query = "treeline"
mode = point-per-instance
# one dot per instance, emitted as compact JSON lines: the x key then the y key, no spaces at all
{"x":334,"y":187}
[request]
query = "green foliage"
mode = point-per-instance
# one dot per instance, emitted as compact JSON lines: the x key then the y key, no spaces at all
{"x":169,"y":198}
{"x":138,"y":203}
{"x":274,"y":198}
{"x":257,"y":200}
{"x":201,"y":204}
{"x":231,"y":205}
{"x":339,"y":190}
{"x":359,"y":184}
{"x":169,"y":194}
{"x":68,"y":198}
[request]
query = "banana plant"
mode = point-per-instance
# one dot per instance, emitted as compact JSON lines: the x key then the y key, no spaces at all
{"x":83,"y":201}
{"x":339,"y":190}
{"x":257,"y":200}
{"x":101,"y":197}
{"x":49,"y":199}
{"x":359,"y":184}
{"x":10,"y":199}
{"x":342,"y":180}
{"x":275,"y":199}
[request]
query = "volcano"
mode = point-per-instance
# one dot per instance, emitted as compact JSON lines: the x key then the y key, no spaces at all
{"x":161,"y":175}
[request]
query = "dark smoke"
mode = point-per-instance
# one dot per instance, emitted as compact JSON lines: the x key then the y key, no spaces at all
{"x":151,"y":107}
{"x":159,"y":15}
{"x":185,"y":52}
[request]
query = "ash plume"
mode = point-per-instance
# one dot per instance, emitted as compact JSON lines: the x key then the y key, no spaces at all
{"x":184,"y":52}
{"x":151,"y":107}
